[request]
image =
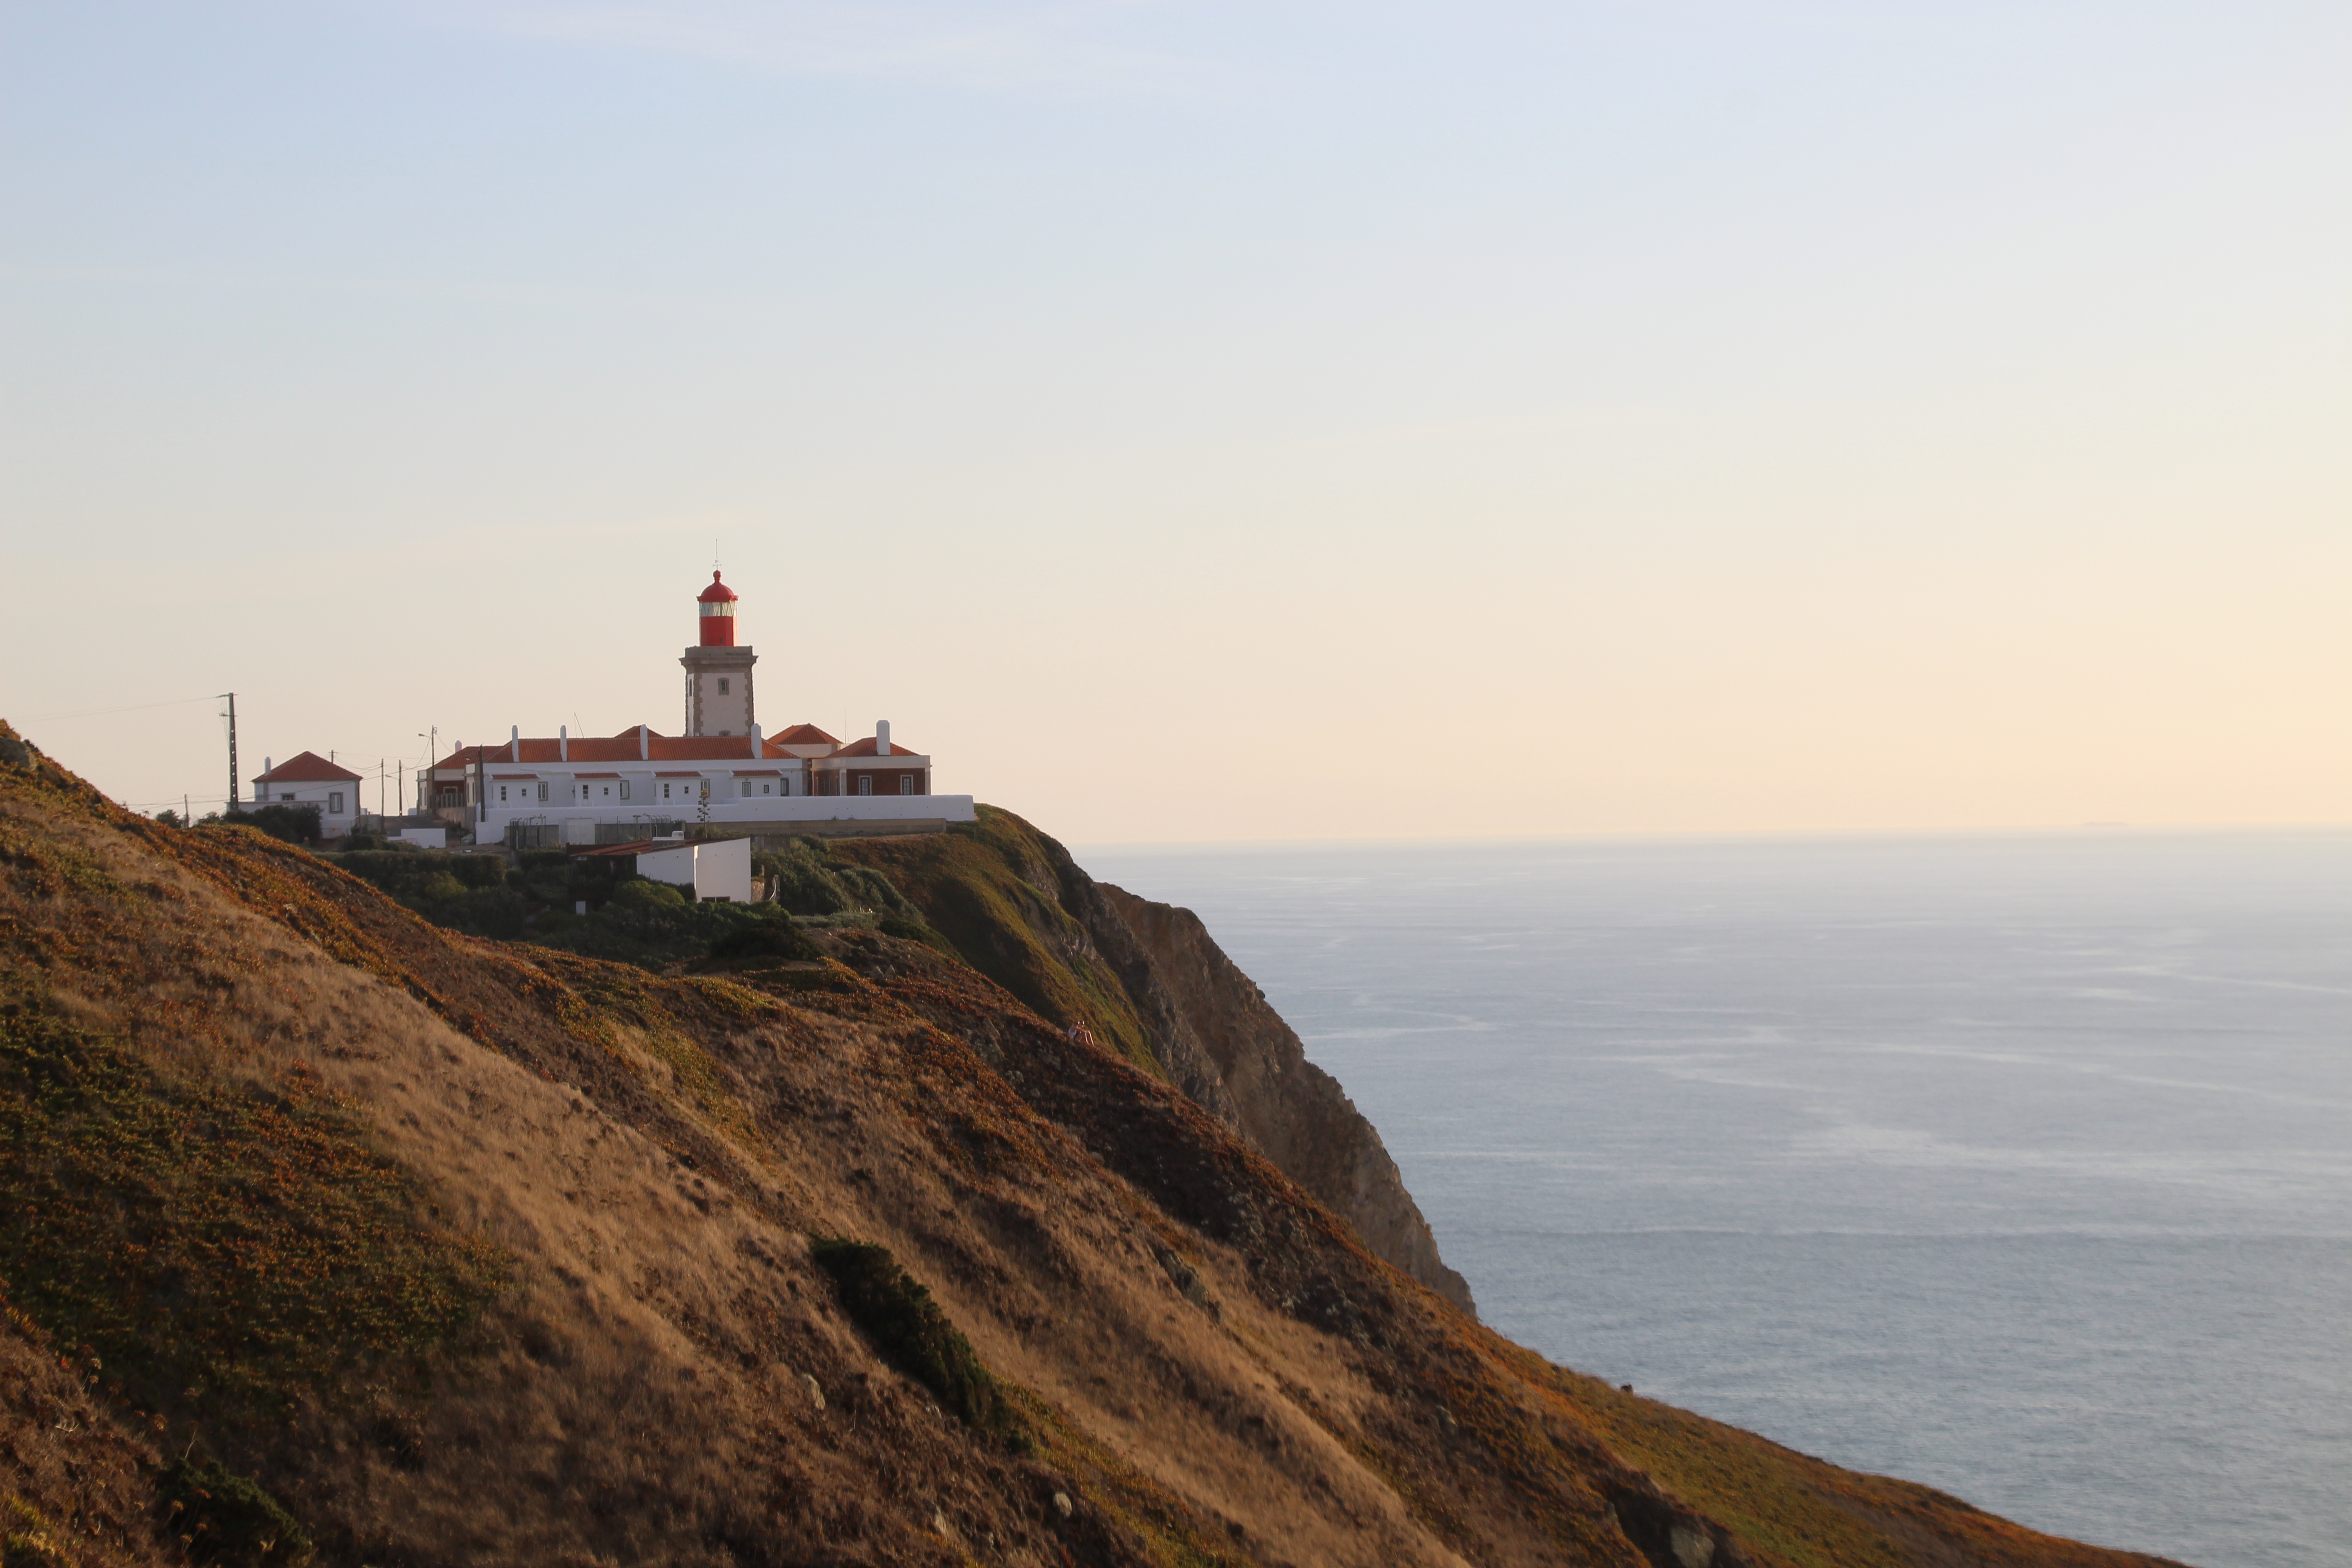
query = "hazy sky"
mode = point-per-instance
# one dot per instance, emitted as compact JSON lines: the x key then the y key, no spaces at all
{"x":1205,"y":421}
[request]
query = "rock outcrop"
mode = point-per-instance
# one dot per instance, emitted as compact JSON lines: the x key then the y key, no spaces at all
{"x":1292,"y":1110}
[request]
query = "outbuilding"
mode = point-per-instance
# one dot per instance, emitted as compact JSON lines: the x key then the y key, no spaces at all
{"x":716,"y":868}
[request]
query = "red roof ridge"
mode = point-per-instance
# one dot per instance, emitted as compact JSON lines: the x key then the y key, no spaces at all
{"x":306,"y":768}
{"x":863,"y":747}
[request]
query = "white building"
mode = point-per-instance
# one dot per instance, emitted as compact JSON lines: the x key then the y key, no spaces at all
{"x":309,"y":779}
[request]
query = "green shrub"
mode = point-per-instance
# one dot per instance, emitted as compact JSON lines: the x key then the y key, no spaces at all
{"x":407,"y":873}
{"x":226,"y":1518}
{"x":644,"y":894}
{"x":906,"y":1326}
{"x":293,"y":824}
{"x":872,"y":890}
{"x":437,"y":888}
{"x":771,"y":938}
{"x":807,"y":881}
{"x":802,"y":886}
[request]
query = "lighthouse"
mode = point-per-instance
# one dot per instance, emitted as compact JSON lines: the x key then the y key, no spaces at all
{"x":718,"y":672}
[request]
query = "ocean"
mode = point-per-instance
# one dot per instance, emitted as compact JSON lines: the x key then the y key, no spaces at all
{"x":2017,"y":1164}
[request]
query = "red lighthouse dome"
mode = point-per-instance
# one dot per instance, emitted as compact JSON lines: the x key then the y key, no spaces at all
{"x":717,"y":603}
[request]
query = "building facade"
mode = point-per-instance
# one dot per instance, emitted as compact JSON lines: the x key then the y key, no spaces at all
{"x":309,"y":779}
{"x":723,"y":775}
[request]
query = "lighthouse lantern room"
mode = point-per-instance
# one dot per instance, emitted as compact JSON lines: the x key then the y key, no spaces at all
{"x":717,"y":603}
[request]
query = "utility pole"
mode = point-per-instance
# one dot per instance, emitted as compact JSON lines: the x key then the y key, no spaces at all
{"x":235,"y":798}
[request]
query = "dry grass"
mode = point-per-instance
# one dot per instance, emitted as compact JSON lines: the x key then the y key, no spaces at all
{"x":73,"y":1484}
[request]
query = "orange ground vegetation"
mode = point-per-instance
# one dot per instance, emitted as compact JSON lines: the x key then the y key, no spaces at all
{"x":474,"y":1252}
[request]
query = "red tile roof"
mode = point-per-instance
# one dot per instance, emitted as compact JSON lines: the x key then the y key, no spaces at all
{"x":864,"y":748}
{"x":620,"y":747}
{"x":544,"y":751}
{"x":306,"y":768}
{"x":696,"y":748}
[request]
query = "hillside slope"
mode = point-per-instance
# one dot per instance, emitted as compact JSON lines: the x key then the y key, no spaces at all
{"x":463,"y":1252}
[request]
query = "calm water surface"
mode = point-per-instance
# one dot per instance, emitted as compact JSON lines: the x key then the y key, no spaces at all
{"x":2017,"y":1165}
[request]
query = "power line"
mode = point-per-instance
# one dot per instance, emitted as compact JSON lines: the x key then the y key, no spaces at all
{"x":103,"y":713}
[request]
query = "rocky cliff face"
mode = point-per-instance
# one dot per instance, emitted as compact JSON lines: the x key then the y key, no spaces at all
{"x":1292,"y":1110}
{"x":1151,"y":976}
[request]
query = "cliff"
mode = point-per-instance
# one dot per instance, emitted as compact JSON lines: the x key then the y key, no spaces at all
{"x":1151,"y":978}
{"x":328,"y":1232}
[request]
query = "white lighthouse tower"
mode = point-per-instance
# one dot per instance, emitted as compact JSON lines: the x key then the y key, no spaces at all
{"x":718,"y":673}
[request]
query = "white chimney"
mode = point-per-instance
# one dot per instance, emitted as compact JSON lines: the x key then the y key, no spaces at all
{"x":563,"y":742}
{"x":514,"y":743}
{"x":645,"y":746}
{"x":755,"y":742}
{"x":268,"y":767}
{"x":881,"y":737}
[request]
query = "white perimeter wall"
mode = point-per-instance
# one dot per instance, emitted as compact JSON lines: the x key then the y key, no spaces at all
{"x":726,"y":812}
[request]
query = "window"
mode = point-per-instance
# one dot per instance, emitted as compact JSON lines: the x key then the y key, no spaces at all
{"x":866,"y":784}
{"x":665,"y":791}
{"x":286,"y":794}
{"x":767,"y":789}
{"x":722,"y":686}
{"x":335,"y":803}
{"x":625,"y":789}
{"x":542,"y":793}
{"x":502,"y":794}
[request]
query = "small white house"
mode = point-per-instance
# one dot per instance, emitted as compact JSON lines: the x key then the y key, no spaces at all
{"x":714,"y":868}
{"x":309,"y":779}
